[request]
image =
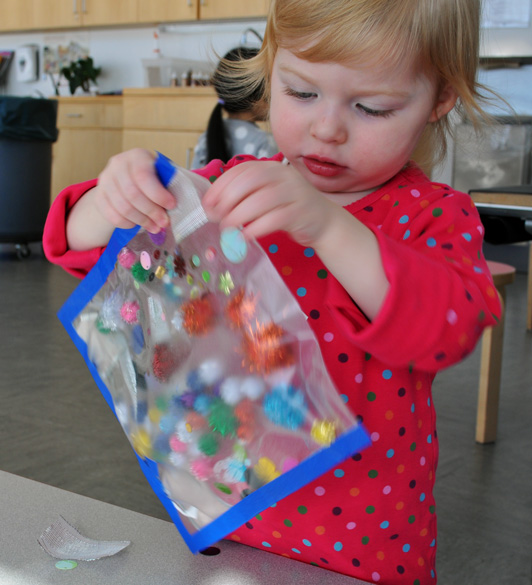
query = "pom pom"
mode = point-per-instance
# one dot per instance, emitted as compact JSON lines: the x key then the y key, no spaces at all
{"x":245,"y":433}
{"x":177,"y":459}
{"x":201,"y":468}
{"x":195,"y":422}
{"x":230,"y":390}
{"x":139,"y":273}
{"x":240,"y":309}
{"x":141,"y":443}
{"x":245,"y":411}
{"x":208,"y":444}
{"x":199,"y":315}
{"x":167,"y":423}
{"x":285,"y":406}
{"x":210,"y":371}
{"x":222,"y":419}
{"x":289,"y":463}
{"x":265,"y":470}
{"x":165,"y":361}
{"x":188,"y":398}
{"x":127,"y":258}
{"x":323,"y":432}
{"x":253,"y":387}
{"x":194,"y":381}
{"x":202,"y":404}
{"x":177,"y":445}
{"x":266,"y":350}
{"x":129,"y":312}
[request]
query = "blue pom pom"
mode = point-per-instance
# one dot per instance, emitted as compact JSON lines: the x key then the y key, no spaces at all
{"x":142,"y":411}
{"x":285,"y":406}
{"x":194,"y":381}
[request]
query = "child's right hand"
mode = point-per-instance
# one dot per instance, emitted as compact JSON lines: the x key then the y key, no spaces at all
{"x":128,"y":193}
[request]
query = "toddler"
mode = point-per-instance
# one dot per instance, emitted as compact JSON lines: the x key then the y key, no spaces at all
{"x":386,"y":264}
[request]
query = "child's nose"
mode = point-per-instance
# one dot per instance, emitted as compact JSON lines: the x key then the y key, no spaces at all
{"x":328,"y":126}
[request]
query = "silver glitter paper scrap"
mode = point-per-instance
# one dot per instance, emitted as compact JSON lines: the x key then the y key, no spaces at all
{"x":63,"y":541}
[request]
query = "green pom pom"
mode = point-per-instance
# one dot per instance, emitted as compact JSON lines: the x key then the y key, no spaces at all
{"x":208,"y":444}
{"x":139,"y":273}
{"x":222,"y":419}
{"x":101,"y":327}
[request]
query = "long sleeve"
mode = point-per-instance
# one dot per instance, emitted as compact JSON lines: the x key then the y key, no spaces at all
{"x":54,"y":241}
{"x":441,"y":292}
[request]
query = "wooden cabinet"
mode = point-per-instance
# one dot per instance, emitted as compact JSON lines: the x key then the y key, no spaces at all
{"x":167,"y":10}
{"x":107,"y":12}
{"x":169,"y":120}
{"x":15,"y":14}
{"x":215,"y":9}
{"x":178,"y":10}
{"x":54,"y":14}
{"x":90,"y":132}
{"x":18,"y":15}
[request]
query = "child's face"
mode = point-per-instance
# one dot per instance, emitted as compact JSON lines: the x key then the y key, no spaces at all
{"x":348,"y":129}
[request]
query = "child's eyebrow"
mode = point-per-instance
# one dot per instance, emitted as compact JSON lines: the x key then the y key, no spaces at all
{"x":393,"y":93}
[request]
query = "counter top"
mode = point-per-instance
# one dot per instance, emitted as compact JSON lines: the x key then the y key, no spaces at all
{"x":156,"y":556}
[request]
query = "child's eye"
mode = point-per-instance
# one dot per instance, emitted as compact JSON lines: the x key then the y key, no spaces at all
{"x":375,"y":113}
{"x":300,"y":95}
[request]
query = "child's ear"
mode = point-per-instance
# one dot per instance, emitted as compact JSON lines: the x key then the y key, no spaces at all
{"x":444,"y":103}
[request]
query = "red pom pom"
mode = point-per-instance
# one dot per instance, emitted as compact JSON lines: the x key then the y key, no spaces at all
{"x":165,"y":361}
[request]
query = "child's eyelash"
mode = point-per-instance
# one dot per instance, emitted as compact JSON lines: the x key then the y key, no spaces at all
{"x":302,"y":95}
{"x":375,"y":113}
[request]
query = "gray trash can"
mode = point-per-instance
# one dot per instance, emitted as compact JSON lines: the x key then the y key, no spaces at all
{"x":27,"y":131}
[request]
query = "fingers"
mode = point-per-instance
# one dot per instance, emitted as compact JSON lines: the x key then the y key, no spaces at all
{"x":234,"y":186}
{"x":131,"y":194}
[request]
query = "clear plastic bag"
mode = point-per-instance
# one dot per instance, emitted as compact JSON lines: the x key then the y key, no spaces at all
{"x":210,"y":366}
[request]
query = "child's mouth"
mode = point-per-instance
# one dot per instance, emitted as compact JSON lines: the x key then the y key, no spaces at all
{"x":322,"y":167}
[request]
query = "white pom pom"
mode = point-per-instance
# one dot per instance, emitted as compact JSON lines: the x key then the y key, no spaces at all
{"x":210,"y":371}
{"x":230,"y":390}
{"x":253,"y":387}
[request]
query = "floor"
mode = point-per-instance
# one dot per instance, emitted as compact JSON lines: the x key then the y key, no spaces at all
{"x":56,"y":428}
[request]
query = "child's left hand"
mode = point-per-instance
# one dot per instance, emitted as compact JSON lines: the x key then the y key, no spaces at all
{"x":265,"y":197}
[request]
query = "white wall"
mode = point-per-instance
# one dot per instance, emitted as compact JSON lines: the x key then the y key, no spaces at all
{"x":119,"y":51}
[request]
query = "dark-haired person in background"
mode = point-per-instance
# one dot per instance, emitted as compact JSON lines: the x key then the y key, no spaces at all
{"x":236,"y":132}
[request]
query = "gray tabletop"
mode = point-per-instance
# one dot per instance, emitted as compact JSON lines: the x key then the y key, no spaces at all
{"x":156,"y":556}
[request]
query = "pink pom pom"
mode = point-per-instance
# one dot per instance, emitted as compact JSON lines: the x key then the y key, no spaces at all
{"x":129,"y":311}
{"x":127,"y":258}
{"x":177,"y":445}
{"x":201,"y":468}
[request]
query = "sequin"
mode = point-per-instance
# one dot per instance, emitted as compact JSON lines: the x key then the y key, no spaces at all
{"x":225,"y":283}
{"x":234,"y":245}
{"x":145,"y":260}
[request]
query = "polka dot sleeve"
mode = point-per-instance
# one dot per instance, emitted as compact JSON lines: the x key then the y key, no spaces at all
{"x":441,"y":293}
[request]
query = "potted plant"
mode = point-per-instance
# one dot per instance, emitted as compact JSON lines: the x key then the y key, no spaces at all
{"x":80,"y":73}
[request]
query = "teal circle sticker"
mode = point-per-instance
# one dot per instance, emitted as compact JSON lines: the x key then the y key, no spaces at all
{"x":234,"y":245}
{"x":66,"y":565}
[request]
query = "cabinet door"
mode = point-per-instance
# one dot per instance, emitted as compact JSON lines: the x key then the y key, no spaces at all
{"x":105,"y":12}
{"x":211,"y":9}
{"x":15,"y":14}
{"x":167,"y":10}
{"x":55,"y":14}
{"x":81,"y":154}
{"x":179,"y":146}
